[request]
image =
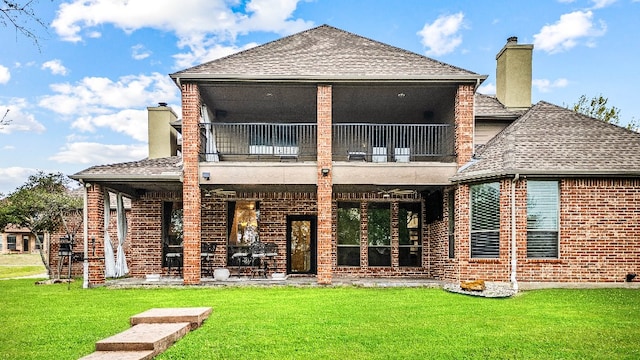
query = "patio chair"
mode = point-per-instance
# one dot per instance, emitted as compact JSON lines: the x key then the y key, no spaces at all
{"x":257,"y":259}
{"x":270,"y":254}
{"x":207,"y":252}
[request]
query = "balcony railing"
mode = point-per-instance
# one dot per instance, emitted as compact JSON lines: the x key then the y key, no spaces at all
{"x":351,"y":142}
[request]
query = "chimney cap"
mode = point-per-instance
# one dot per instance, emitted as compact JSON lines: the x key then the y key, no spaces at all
{"x":162,"y":104}
{"x":512,"y":39}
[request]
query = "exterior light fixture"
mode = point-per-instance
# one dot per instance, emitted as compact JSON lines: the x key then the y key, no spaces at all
{"x":401,"y":95}
{"x":325,"y":171}
{"x":206,"y":175}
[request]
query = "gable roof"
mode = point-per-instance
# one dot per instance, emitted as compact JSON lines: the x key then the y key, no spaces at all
{"x":326,"y":53}
{"x":549,"y":140}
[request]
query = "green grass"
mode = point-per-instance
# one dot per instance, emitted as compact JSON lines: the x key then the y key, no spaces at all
{"x":50,"y":321}
{"x":18,"y":265}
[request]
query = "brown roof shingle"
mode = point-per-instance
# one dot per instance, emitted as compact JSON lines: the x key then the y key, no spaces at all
{"x":555,"y":141}
{"x":326,"y":52}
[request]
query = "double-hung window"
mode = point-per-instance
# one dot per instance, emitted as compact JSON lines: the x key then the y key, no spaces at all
{"x":543,"y":198}
{"x":485,"y":220}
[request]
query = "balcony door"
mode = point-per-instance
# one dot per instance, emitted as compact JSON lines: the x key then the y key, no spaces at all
{"x":301,"y":244}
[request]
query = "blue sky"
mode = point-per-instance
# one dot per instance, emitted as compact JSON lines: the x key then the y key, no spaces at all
{"x":80,"y":100}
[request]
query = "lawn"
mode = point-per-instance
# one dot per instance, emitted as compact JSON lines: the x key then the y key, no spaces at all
{"x":17,"y":265}
{"x":52,"y":321}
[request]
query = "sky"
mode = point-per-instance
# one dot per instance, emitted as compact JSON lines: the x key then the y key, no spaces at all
{"x":78,"y":98}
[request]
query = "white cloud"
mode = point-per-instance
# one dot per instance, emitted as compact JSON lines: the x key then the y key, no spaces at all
{"x":546,"y":85}
{"x":99,"y":95}
{"x":129,"y":122}
{"x":487,"y":89}
{"x":441,"y":37}
{"x":210,"y":22}
{"x":205,"y":51}
{"x":5,"y":75}
{"x":19,"y":117}
{"x":13,"y":177}
{"x":95,"y":153}
{"x":55,"y":66}
{"x":97,"y":102}
{"x":599,"y":4}
{"x":139,"y":52}
{"x":567,"y":31}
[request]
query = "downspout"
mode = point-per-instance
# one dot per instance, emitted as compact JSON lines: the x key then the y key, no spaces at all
{"x":85,"y":219}
{"x":514,"y":252}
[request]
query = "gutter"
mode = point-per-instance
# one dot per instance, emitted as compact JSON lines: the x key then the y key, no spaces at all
{"x":85,"y":220}
{"x":178,"y":78}
{"x":514,"y":248}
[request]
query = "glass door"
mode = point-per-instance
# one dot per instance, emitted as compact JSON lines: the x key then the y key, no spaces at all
{"x":301,"y":244}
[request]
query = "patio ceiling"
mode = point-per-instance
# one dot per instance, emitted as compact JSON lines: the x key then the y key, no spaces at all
{"x":355,"y":103}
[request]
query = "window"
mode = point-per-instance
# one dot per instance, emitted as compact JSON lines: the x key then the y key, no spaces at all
{"x":379,"y":234}
{"x":485,"y":220}
{"x":452,"y":224}
{"x":171,"y":229}
{"x":348,"y":229}
{"x":11,"y":242}
{"x":242,"y":227}
{"x":542,"y":219}
{"x":410,"y":241}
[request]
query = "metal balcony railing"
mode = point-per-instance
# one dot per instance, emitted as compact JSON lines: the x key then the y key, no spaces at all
{"x":351,"y":142}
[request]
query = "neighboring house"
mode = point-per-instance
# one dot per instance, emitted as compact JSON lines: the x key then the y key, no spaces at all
{"x":361,"y":159}
{"x":17,"y":240}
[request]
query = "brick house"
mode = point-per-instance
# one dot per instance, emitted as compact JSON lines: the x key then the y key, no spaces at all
{"x":356,"y":158}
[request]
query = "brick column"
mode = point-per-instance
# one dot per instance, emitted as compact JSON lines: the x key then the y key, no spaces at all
{"x":191,"y":200}
{"x":325,"y":184}
{"x":464,"y":124}
{"x":95,"y":230}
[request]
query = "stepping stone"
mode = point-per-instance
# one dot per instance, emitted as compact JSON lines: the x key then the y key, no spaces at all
{"x":120,"y":355}
{"x":153,"y":337}
{"x":194,"y":316}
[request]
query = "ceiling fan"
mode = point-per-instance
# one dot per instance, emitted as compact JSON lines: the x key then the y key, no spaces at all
{"x":396,"y":192}
{"x":219,"y":192}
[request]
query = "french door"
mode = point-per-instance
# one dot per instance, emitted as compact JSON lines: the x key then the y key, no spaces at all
{"x":301,"y":244}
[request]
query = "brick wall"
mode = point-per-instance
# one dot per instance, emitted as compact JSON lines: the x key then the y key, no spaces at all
{"x":441,"y":266}
{"x":325,"y":183}
{"x":191,"y":200}
{"x":599,"y":233}
{"x":464,"y":103}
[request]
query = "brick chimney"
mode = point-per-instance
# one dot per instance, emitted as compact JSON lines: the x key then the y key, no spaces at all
{"x":163,"y":138}
{"x":513,"y":74}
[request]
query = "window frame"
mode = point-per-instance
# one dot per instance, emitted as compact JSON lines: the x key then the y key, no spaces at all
{"x":490,"y":234}
{"x":385,"y":246}
{"x":556,"y":219}
{"x":342,"y":248}
{"x":415,"y":207}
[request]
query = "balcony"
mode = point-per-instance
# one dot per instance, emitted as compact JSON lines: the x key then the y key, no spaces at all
{"x":375,"y":143}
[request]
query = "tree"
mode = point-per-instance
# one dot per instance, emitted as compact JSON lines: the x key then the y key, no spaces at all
{"x":22,"y":16}
{"x":43,"y":205}
{"x":596,"y":107}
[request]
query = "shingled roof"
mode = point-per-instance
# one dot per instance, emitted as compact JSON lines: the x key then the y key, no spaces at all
{"x":488,"y":106}
{"x":549,"y":140}
{"x":169,"y":168}
{"x":326,"y":52}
